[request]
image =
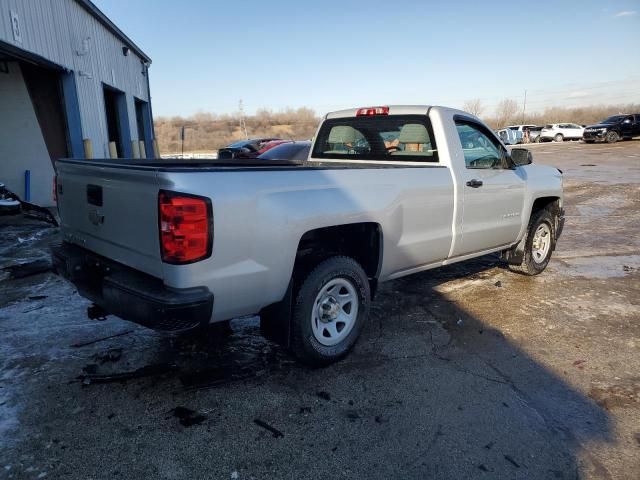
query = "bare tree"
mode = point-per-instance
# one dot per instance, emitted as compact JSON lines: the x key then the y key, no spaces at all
{"x":506,"y":111}
{"x":474,"y":107}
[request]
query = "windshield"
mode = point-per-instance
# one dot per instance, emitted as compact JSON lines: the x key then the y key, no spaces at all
{"x":614,"y":119}
{"x":239,"y":144}
{"x":288,"y":151}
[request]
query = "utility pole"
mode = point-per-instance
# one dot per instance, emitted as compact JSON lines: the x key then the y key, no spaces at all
{"x":524,"y":105}
{"x":243,"y":125}
{"x":182,"y":138}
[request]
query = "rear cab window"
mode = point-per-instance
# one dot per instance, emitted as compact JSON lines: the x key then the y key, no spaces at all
{"x":392,"y":138}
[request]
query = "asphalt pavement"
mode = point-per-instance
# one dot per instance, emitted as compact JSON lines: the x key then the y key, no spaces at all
{"x":469,"y":371}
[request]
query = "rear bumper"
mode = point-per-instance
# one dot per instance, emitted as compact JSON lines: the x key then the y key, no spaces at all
{"x":132,"y":295}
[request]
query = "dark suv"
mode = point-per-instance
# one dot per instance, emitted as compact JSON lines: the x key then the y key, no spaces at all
{"x":613,"y":129}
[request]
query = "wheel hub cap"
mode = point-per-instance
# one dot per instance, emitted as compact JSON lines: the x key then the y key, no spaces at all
{"x":541,"y":243}
{"x":334,"y":312}
{"x":328,"y":309}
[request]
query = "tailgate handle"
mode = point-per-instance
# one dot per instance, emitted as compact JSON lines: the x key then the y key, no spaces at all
{"x":94,"y":195}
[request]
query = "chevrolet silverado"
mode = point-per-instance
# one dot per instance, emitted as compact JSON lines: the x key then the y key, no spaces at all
{"x":385,"y":192}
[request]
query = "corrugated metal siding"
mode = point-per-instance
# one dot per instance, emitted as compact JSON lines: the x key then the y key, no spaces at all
{"x":66,"y":34}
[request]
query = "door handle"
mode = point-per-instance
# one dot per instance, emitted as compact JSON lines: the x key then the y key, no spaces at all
{"x":474,"y":183}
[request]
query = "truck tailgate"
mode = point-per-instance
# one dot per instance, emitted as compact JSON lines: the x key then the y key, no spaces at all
{"x":111,"y":211}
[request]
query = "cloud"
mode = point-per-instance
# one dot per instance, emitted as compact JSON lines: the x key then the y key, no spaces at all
{"x":626,"y":13}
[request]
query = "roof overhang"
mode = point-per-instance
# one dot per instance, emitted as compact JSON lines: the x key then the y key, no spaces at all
{"x":109,"y":25}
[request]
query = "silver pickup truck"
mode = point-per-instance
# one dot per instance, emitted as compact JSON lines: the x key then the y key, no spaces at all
{"x":386,"y":192}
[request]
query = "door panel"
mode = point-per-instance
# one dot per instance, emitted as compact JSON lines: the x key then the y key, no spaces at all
{"x":493,"y":195}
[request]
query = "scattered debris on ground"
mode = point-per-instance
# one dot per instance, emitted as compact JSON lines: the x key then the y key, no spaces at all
{"x":146,"y":371}
{"x":101,"y":339}
{"x":28,"y":269}
{"x":188,"y":417}
{"x":274,"y":431}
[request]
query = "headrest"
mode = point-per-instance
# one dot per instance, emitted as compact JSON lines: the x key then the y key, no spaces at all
{"x":344,"y":134}
{"x":414,"y":133}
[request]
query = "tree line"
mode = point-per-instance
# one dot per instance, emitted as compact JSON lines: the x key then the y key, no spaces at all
{"x":510,"y":112}
{"x":207,"y":132}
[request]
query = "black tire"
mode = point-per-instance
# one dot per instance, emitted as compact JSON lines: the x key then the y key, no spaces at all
{"x":612,"y":137}
{"x":304,"y":344}
{"x":558,"y":138}
{"x":529,"y":265}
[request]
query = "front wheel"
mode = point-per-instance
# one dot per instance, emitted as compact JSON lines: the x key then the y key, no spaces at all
{"x":558,"y":138}
{"x":330,"y":311}
{"x":539,"y":243}
{"x":612,"y":137}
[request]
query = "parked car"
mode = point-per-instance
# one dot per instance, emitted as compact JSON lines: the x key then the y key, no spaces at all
{"x":288,"y":151}
{"x":534,"y":131}
{"x":306,"y":246}
{"x":559,"y":132}
{"x":510,"y":136}
{"x":248,"y":148}
{"x":534,"y":134}
{"x":613,"y":129}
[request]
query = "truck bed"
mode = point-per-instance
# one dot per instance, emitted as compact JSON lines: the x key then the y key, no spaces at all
{"x":212,"y":165}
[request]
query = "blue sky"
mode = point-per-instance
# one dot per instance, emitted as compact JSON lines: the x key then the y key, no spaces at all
{"x":326,"y":55}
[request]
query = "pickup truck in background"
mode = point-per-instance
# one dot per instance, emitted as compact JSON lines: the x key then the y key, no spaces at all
{"x":385,"y":192}
{"x":532,"y":130}
{"x":613,"y":129}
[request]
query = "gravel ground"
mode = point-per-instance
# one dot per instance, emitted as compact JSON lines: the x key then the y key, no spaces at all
{"x":469,"y":371}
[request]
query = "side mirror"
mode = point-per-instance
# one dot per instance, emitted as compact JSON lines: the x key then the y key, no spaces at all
{"x":521,"y":156}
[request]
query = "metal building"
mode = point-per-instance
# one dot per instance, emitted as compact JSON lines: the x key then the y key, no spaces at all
{"x":72,"y":84}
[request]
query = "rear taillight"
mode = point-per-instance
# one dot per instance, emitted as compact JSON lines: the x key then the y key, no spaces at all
{"x":186,"y":227}
{"x":371,"y":111}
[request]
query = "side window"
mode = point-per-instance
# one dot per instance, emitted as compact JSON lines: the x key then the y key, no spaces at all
{"x":481,"y":150}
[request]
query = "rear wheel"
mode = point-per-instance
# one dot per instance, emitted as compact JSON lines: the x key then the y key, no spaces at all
{"x":538,"y":244}
{"x":612,"y":137}
{"x":558,"y":138}
{"x":330,"y":311}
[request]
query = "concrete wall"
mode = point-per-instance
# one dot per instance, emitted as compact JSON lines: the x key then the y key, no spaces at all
{"x":65,"y":33}
{"x":22,"y":145}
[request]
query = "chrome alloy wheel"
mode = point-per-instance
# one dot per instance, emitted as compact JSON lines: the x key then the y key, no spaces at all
{"x":335,"y":311}
{"x":541,"y":243}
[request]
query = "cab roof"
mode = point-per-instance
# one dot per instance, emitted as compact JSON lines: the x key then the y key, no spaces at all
{"x":396,"y":110}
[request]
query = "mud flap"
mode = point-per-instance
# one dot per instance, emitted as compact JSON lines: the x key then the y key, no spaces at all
{"x":515,"y":255}
{"x":275,"y":319}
